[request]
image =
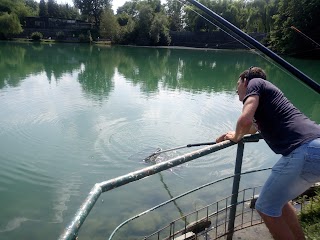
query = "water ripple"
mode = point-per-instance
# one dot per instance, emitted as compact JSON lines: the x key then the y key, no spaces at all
{"x":15,"y":223}
{"x":123,"y":142}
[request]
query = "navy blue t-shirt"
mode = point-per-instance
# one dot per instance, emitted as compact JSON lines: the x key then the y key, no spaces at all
{"x":281,"y":124}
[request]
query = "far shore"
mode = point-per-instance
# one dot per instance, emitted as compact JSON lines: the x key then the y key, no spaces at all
{"x":308,"y":55}
{"x":51,"y":41}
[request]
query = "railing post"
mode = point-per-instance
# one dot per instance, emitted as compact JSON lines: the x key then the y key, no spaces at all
{"x":235,"y":190}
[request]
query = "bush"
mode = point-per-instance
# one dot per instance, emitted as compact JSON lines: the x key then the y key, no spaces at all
{"x":85,"y":38}
{"x":60,"y":35}
{"x":36,"y":36}
{"x":82,"y":38}
{"x":310,"y":218}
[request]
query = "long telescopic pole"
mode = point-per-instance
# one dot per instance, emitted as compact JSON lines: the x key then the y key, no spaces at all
{"x":309,"y":38}
{"x":300,"y":75}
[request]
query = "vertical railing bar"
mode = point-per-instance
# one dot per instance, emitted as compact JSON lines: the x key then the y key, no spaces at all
{"x":207,"y":220}
{"x":253,"y":194}
{"x":185,"y":224}
{"x":225,"y":217}
{"x":217,"y":215}
{"x":244,"y":193}
{"x":197,"y":218}
{"x":235,"y":189}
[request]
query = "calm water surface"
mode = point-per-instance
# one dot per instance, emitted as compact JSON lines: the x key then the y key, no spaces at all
{"x":74,"y":115}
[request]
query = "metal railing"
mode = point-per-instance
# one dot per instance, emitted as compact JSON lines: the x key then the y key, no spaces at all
{"x":212,"y":219}
{"x":71,"y":231}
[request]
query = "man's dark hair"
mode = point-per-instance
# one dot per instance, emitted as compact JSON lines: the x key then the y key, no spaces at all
{"x":253,"y":72}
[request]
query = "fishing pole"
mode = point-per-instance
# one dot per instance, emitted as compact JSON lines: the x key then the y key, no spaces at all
{"x":296,"y":72}
{"x":159,"y":151}
{"x":309,"y":38}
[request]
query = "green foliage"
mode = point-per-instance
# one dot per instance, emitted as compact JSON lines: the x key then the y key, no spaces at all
{"x":6,"y":6}
{"x":33,"y":7}
{"x":148,"y":22}
{"x":155,"y":5}
{"x":18,"y":7}
{"x":53,"y":9}
{"x":60,"y":35}
{"x":92,"y":9}
{"x":302,"y":14}
{"x":129,"y":7}
{"x":109,"y":26}
{"x":174,"y":11}
{"x":43,"y":9}
{"x":145,"y":18}
{"x":36,"y":36}
{"x":82,"y":38}
{"x":9,"y":24}
{"x":123,"y":19}
{"x":159,"y":31}
{"x":310,"y":218}
{"x":85,"y":38}
{"x":127,"y":32}
{"x":67,"y":12}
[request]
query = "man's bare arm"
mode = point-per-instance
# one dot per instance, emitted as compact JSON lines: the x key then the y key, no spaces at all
{"x":245,"y":121}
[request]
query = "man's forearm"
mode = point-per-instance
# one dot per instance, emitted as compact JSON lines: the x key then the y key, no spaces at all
{"x":244,"y":126}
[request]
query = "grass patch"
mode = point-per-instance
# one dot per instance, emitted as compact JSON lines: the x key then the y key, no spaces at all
{"x":310,"y":217}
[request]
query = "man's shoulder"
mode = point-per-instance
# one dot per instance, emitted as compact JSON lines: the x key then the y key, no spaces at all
{"x":257,"y":81}
{"x":263,"y":84}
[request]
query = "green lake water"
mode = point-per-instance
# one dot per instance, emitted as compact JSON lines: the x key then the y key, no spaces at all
{"x":74,"y":115}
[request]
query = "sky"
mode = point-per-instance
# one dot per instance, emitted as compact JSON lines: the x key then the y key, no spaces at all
{"x":115,"y":3}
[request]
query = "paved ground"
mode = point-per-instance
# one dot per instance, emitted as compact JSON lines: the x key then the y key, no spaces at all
{"x":253,"y":233}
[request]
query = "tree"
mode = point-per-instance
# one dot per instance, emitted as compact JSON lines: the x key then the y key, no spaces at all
{"x":127,"y":26}
{"x":155,"y":5}
{"x":65,"y":11}
{"x":109,"y":26}
{"x":129,"y":8}
{"x":33,"y":6}
{"x":43,"y":9}
{"x":18,"y":7}
{"x":145,"y":18}
{"x":9,"y":24}
{"x":6,"y":6}
{"x":53,"y":9}
{"x":174,"y":10}
{"x":159,"y":31}
{"x":92,"y":8}
{"x":22,"y":10}
{"x":196,"y":23}
{"x":257,"y":19}
{"x":302,"y":14}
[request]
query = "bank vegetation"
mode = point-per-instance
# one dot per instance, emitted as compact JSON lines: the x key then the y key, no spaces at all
{"x":287,"y":24}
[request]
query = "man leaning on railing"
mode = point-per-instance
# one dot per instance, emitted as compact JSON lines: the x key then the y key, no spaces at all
{"x":287,"y":131}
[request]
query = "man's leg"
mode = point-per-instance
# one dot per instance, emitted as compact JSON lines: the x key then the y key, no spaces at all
{"x":286,"y":226}
{"x":290,"y":176}
{"x":290,"y":216}
{"x":278,"y":227}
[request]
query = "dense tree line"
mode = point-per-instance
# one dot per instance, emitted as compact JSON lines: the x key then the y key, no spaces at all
{"x":148,"y":22}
